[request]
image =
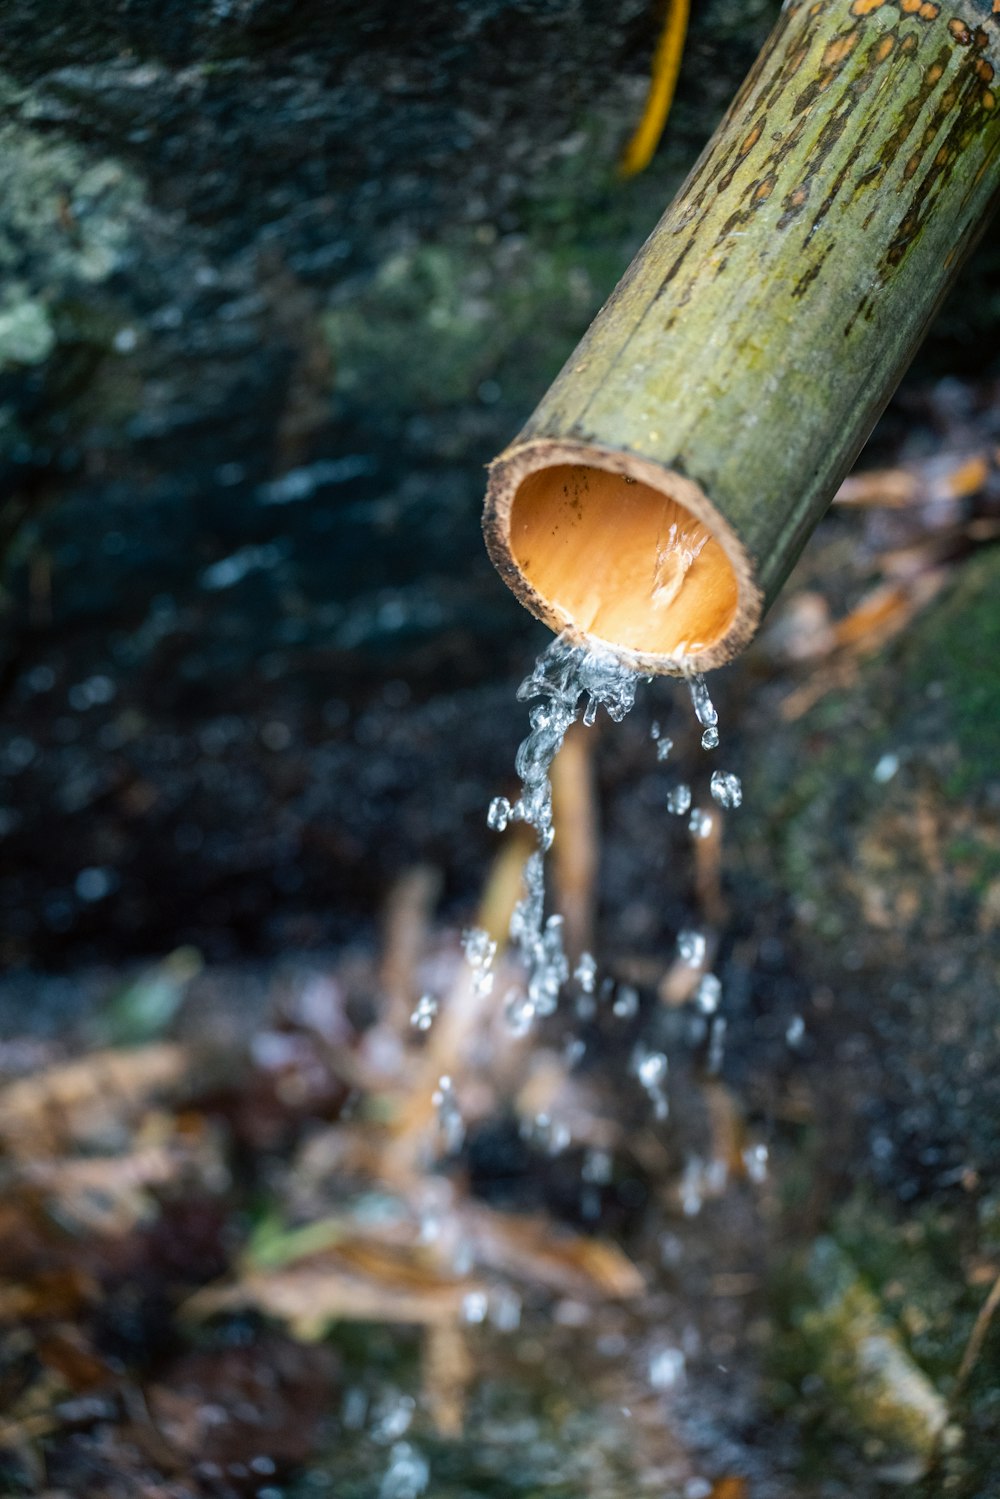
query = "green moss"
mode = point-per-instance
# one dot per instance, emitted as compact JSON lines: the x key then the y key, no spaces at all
{"x":952,"y":656}
{"x":871,"y":1326}
{"x":68,"y":219}
{"x":976,"y":861}
{"x":914,"y":1268}
{"x":26,"y":333}
{"x":841,"y":1366}
{"x":933,"y":700}
{"x":71,"y":222}
{"x":875,"y":1392}
{"x":437,"y":320}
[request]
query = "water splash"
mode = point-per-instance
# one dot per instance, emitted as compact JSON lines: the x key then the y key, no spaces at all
{"x":679,"y":799}
{"x":498,"y":815}
{"x":674,"y":559}
{"x":700,"y":823}
{"x":704,"y":709}
{"x":570,"y":681}
{"x":424,"y":1012}
{"x":480,"y":950}
{"x":691,"y":947}
{"x":726,"y":788}
{"x":449,"y":1116}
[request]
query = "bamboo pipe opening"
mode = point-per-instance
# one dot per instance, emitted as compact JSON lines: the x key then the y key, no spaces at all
{"x":620,"y":551}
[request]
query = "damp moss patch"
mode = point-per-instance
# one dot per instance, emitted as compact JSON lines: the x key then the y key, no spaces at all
{"x":952,"y":662}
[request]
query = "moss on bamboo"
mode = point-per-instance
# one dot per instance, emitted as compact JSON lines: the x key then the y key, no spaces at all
{"x":744,"y":357}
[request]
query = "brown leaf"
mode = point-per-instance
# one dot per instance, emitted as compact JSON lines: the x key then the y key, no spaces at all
{"x":67,"y":1354}
{"x":945,"y":477}
{"x":55,"y":1293}
{"x":359,"y":1280}
{"x":534,"y":1250}
{"x":731,"y":1488}
{"x":106,"y":1194}
{"x":447,"y":1373}
{"x":406,"y":927}
{"x":92,"y":1101}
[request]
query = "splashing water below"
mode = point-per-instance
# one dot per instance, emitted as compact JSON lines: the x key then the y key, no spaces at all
{"x":424,"y":1011}
{"x":572,"y":682}
{"x":563,"y":677}
{"x":569,"y":684}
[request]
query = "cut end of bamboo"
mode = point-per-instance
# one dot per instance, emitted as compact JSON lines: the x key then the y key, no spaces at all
{"x":617,"y":551}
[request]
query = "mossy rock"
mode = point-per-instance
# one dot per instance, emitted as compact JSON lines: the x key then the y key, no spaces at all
{"x":872,"y":1323}
{"x":845,"y":1372}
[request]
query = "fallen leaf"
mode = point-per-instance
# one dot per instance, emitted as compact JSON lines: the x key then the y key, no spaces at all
{"x":92,"y":1101}
{"x":359,"y":1280}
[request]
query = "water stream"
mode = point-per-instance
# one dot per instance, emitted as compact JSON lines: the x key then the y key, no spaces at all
{"x":572,"y":683}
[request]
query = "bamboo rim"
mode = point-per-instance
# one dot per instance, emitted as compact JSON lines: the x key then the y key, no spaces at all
{"x":620,"y":552}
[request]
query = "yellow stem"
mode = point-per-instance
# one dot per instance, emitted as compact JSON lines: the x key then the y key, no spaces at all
{"x":663,"y":81}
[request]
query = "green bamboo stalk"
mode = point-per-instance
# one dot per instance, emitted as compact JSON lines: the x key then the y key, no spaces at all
{"x":738,"y":368}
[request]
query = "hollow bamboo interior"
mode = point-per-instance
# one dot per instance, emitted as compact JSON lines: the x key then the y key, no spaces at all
{"x":624,"y":562}
{"x":607,"y":548}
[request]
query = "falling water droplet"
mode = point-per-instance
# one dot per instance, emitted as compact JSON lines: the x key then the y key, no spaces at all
{"x":700,"y":823}
{"x":519,"y":1012}
{"x":449,"y":1116}
{"x":691,"y":947}
{"x":423,"y":1015}
{"x":708,"y":994}
{"x":480,"y":950}
{"x":726,"y":788}
{"x":585,"y":972}
{"x":666,"y":1369}
{"x":407,"y":1475}
{"x":679,"y":799}
{"x":475,"y":1305}
{"x":755,"y":1163}
{"x":498,"y":816}
{"x":703,"y":707}
{"x":626,"y":1003}
{"x":652,"y":1069}
{"x":716,"y":1046}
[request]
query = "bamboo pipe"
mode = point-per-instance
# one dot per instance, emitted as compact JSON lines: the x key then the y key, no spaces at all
{"x":659,"y":495}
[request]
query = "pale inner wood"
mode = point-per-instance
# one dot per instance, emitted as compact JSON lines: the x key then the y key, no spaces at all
{"x":622,"y":561}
